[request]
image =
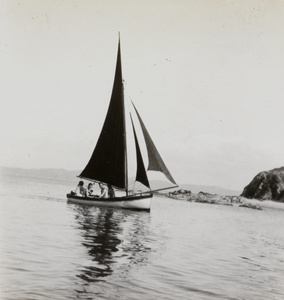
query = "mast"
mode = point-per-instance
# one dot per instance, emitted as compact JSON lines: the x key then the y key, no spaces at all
{"x":124,"y":127}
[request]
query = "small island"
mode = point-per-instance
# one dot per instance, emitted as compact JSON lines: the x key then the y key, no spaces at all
{"x":203,"y":197}
{"x":267,"y":185}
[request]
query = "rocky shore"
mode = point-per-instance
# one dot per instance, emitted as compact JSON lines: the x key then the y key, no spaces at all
{"x":266,"y":185}
{"x":203,"y":197}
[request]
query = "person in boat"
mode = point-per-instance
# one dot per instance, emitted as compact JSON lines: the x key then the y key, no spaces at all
{"x":89,"y":192}
{"x":111,"y":193}
{"x":80,"y":190}
{"x":103,"y":191}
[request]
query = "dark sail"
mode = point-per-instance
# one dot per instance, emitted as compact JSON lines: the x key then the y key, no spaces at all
{"x":108,"y":161}
{"x":141,"y":174}
{"x":155,"y":160}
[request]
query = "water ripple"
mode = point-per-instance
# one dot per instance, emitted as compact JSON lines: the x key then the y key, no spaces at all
{"x":181,"y":250}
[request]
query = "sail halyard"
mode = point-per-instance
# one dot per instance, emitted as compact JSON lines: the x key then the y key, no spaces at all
{"x":108,"y":162}
{"x":155,"y":160}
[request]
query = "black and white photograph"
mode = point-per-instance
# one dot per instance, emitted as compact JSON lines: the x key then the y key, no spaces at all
{"x":142,"y":149}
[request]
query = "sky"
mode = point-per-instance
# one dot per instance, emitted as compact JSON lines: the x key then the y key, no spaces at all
{"x":206,"y":77}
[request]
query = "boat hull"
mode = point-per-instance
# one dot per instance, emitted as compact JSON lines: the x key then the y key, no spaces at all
{"x":140,"y":202}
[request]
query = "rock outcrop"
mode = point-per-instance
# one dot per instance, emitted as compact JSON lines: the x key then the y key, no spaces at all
{"x":249,"y":205}
{"x":203,"y":197}
{"x":267,"y":185}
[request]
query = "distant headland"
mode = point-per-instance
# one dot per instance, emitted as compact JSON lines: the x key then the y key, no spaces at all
{"x":48,"y":173}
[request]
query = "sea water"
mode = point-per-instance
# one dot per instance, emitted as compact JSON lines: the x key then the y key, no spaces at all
{"x":50,"y":249}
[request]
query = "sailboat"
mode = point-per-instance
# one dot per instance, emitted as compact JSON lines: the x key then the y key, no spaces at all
{"x":109,"y":163}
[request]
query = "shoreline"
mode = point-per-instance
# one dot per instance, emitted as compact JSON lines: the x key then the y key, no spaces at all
{"x":239,"y":201}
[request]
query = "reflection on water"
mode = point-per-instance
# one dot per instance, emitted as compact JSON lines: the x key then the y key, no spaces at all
{"x":115,"y":241}
{"x":100,"y":232}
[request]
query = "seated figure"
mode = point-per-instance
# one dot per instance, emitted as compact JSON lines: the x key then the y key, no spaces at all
{"x":103,"y":191}
{"x":111,"y":193}
{"x":80,"y":190}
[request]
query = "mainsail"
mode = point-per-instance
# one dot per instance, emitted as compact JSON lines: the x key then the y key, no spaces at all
{"x":108,"y":161}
